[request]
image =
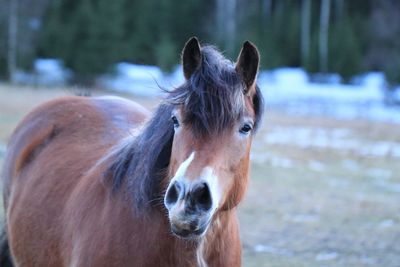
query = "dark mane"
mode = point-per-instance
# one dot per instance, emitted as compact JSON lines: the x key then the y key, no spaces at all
{"x":212,"y":101}
{"x":139,"y":163}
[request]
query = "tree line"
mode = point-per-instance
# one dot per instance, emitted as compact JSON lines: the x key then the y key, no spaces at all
{"x":345,"y":37}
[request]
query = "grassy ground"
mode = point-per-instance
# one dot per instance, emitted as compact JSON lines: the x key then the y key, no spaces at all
{"x":323,"y":192}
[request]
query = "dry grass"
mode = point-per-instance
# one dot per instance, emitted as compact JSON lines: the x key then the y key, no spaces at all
{"x":313,"y":203}
{"x":332,"y":201}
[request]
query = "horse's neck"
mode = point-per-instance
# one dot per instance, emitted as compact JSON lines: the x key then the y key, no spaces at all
{"x":221,"y":245}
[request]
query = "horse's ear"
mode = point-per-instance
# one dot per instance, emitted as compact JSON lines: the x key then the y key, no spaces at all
{"x":191,"y":57}
{"x":247,"y":64}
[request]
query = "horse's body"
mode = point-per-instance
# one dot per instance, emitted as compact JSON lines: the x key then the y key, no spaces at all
{"x":65,"y":205}
{"x":67,"y":137}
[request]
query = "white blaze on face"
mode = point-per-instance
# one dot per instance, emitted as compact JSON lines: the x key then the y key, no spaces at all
{"x":208,"y":176}
{"x":180,"y":173}
{"x":183,"y":168}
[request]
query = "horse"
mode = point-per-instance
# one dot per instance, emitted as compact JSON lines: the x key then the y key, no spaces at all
{"x":100,"y":181}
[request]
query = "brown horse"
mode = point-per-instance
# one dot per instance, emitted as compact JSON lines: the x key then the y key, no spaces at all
{"x":92,"y":182}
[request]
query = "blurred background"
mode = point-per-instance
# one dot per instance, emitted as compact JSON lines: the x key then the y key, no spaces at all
{"x":325,"y":185}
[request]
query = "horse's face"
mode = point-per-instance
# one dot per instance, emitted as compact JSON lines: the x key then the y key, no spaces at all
{"x":209,"y":172}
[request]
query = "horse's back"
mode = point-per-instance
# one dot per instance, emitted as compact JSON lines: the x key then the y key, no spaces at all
{"x":48,"y":154}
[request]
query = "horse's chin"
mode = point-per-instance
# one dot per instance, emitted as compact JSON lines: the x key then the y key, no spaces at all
{"x":188,"y":234}
{"x":195,"y":232}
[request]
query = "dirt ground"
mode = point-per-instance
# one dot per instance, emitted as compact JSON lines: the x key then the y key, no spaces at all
{"x":323,"y":192}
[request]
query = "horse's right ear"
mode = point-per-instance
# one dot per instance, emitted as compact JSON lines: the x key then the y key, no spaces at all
{"x":191,"y":57}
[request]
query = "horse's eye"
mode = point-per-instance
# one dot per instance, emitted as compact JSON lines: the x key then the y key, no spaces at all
{"x":245,"y":129}
{"x":175,"y":121}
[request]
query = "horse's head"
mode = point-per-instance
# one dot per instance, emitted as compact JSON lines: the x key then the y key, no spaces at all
{"x":216,"y":112}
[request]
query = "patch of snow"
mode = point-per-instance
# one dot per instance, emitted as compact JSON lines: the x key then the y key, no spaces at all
{"x":290,"y":76}
{"x":275,"y":161}
{"x":258,"y":157}
{"x":46,"y":72}
{"x":360,"y":196}
{"x":271,"y":250}
{"x":380,"y":149}
{"x":281,"y":162}
{"x":395,"y":152}
{"x":326,"y":256}
{"x":175,"y":78}
{"x":379,"y":173}
{"x":392,"y":96}
{"x":316,"y":166}
{"x":396,"y":94}
{"x":370,"y":80}
{"x":390,"y":187}
{"x":141,"y":79}
{"x":139,"y":72}
{"x":301,"y":218}
{"x":337,"y":183}
{"x":290,"y":89}
{"x":386,"y":224}
{"x":368,"y":260}
{"x":351,"y":165}
{"x":341,"y":140}
{"x":332,"y":78}
{"x":291,"y":84}
{"x":131,"y":78}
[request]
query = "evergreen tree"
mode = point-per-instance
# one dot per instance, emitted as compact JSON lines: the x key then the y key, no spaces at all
{"x":345,"y":49}
{"x":87,"y":35}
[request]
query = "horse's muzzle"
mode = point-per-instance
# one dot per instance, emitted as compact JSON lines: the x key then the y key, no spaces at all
{"x":189,"y":209}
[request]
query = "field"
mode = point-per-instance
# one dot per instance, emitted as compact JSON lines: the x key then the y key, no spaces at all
{"x":323,"y":191}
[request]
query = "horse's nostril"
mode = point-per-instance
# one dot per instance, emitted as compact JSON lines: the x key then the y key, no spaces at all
{"x":172,"y":194}
{"x":202,"y":196}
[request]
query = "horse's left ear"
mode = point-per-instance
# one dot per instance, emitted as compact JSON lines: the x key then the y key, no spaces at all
{"x":247,"y":64}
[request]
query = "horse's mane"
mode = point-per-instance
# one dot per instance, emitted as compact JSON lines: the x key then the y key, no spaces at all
{"x":212,"y":100}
